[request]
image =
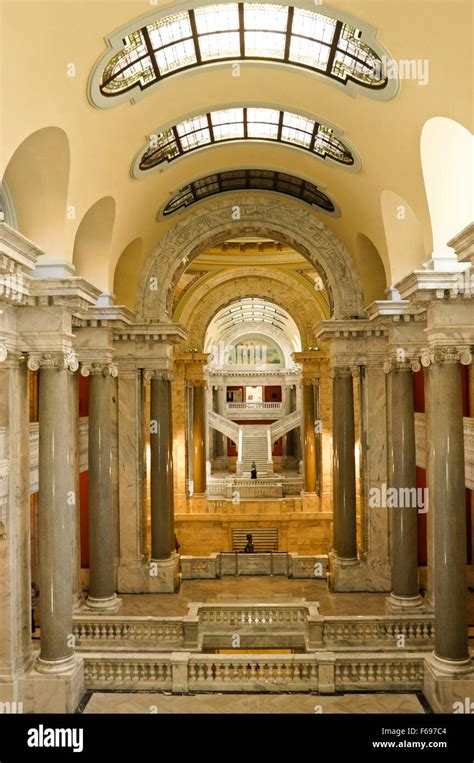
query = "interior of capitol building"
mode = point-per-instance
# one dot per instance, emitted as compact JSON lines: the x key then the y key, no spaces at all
{"x":236,"y":336}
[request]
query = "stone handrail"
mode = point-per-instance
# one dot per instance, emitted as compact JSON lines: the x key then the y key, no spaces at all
{"x":254,"y":404}
{"x":223,"y":425}
{"x":275,"y":624}
{"x":284,"y":425}
{"x":184,"y":672}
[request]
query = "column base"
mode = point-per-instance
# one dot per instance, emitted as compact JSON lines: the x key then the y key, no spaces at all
{"x":358,"y":575}
{"x":51,"y":691}
{"x":198,"y":503}
{"x":400,"y":604}
{"x":106,"y":604}
{"x":310,"y":501}
{"x":130,"y":576}
{"x":449,"y":685}
{"x":163,"y":575}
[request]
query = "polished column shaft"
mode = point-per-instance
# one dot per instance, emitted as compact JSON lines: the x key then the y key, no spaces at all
{"x":447,"y":501}
{"x":199,"y":443}
{"x":55,"y":518}
{"x":344,"y":491}
{"x":102,"y":526}
{"x":309,"y":439}
{"x":402,"y":477}
{"x":161,"y":468}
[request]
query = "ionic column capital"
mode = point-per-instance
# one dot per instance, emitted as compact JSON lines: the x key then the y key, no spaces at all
{"x":99,"y":369}
{"x":198,"y":383}
{"x":438,"y":355}
{"x":340,"y":371}
{"x":59,"y":359}
{"x":407,"y":364}
{"x":158,"y":373}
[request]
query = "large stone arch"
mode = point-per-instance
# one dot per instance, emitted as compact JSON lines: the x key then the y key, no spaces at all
{"x":270,"y":218}
{"x":230,"y":285}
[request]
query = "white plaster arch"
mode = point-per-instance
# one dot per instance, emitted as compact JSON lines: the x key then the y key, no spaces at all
{"x":243,"y":215}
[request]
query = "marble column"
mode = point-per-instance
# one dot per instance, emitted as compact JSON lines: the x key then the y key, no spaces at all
{"x":221,"y":439}
{"x":344,"y":483}
{"x":131,"y":488}
{"x":73,"y":405}
{"x":446,"y":486}
{"x":161,"y":467}
{"x":189,"y":436}
{"x":309,"y":438}
{"x":102,"y":526}
{"x":199,"y":444}
{"x":55,"y":514}
{"x":402,"y":477}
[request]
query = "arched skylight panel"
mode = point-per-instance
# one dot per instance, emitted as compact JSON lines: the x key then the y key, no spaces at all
{"x":344,"y":51}
{"x":246,"y":123}
{"x":251,"y":179}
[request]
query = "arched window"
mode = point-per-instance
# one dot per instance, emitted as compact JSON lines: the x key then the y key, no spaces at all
{"x":237,"y":124}
{"x":342,"y":50}
{"x":237,"y":180}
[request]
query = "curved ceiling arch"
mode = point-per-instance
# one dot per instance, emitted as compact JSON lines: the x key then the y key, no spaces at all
{"x":225,"y":289}
{"x":327,"y":43}
{"x":238,"y":216}
{"x":242,"y":122}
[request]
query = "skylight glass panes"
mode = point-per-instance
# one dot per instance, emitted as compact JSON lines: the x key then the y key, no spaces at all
{"x":176,"y":56}
{"x":240,"y":124}
{"x":233,"y":180}
{"x":231,"y":31}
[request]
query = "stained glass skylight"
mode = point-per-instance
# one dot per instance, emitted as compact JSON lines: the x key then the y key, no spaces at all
{"x":237,"y":31}
{"x":237,"y":180}
{"x":252,"y":310}
{"x":244,"y":124}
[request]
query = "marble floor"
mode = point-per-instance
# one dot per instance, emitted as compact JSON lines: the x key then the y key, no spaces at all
{"x":259,"y":589}
{"x":125,"y":702}
{"x":253,"y":589}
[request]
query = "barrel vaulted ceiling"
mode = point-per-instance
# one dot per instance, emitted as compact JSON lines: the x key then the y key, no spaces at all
{"x":74,"y":155}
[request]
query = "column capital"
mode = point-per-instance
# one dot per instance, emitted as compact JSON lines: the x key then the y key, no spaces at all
{"x":307,"y":381}
{"x":95,"y":369}
{"x":158,"y":373}
{"x":407,"y":364}
{"x":340,"y":371}
{"x":198,"y":383}
{"x":437,"y":355}
{"x":59,"y":359}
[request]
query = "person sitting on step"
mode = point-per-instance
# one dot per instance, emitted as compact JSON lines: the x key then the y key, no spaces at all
{"x":253,"y":471}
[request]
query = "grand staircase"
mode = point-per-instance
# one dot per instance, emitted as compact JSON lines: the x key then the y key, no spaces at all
{"x":254,"y":448}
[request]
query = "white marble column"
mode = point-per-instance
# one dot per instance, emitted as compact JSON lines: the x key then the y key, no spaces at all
{"x":131,"y":451}
{"x":55,"y":514}
{"x":102,"y":525}
{"x":16,"y":655}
